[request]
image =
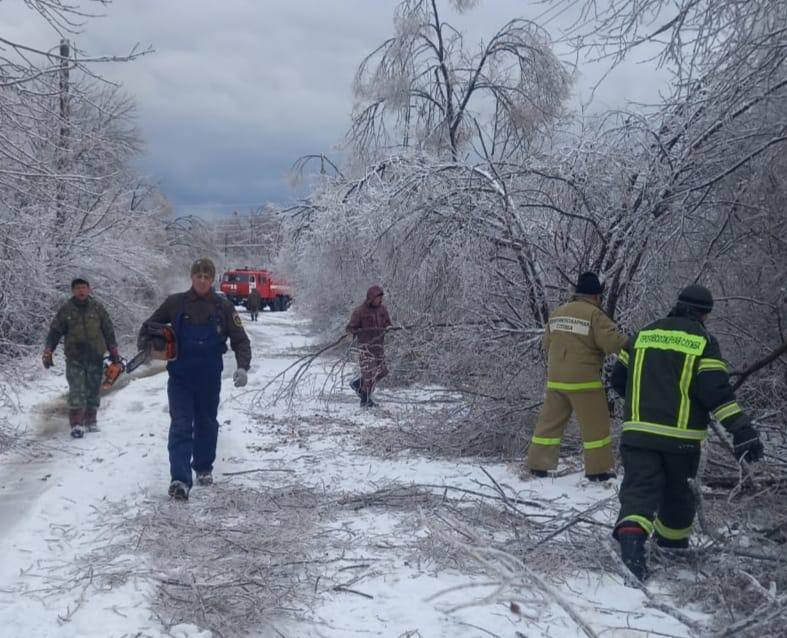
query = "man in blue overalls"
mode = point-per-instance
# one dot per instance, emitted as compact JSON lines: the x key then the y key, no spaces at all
{"x":202,"y":321}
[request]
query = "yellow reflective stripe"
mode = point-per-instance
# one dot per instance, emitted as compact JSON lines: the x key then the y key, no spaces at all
{"x":639,"y":358}
{"x":540,"y":440}
{"x":671,"y":533}
{"x":727,"y":410}
{"x":644,"y":523}
{"x":623,"y":357}
{"x":594,"y":445}
{"x":589,"y":385}
{"x":707,"y":365}
{"x":685,"y":382}
{"x":676,"y":340}
{"x":664,"y":430}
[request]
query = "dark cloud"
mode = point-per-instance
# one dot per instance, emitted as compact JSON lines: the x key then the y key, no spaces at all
{"x":238,"y":89}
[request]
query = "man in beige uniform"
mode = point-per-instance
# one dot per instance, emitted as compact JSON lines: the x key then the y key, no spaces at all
{"x":577,"y":338}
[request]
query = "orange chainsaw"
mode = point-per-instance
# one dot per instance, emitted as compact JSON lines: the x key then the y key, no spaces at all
{"x":112,"y":370}
{"x":159,"y":344}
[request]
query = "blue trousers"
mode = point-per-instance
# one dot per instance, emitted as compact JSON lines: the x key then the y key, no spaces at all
{"x":194,"y":429}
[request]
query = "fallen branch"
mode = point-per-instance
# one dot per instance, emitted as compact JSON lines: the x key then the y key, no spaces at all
{"x":353,"y":591}
{"x":259,"y":469}
{"x":745,"y":374}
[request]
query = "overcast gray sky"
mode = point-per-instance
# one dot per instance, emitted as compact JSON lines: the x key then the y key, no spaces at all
{"x":238,"y":89}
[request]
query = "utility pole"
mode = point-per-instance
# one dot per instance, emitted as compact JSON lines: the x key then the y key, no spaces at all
{"x":63,"y":141}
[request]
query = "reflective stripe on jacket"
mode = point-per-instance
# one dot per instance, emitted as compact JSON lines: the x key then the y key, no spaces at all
{"x":673,"y":378}
{"x":578,"y":336}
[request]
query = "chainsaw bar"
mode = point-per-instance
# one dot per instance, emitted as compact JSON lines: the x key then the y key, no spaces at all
{"x":139,"y":358}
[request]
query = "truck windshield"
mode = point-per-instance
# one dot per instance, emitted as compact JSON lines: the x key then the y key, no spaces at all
{"x":234,"y":278}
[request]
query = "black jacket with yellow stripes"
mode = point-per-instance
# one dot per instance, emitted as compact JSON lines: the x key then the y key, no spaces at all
{"x":673,"y":378}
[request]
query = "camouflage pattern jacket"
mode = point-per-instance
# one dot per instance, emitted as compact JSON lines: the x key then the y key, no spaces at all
{"x":87,"y":329}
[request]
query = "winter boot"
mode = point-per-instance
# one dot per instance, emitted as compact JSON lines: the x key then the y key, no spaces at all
{"x":674,"y":550}
{"x":204,"y":478}
{"x":632,"y":540}
{"x":369,"y":402}
{"x":666,"y":543}
{"x":539,"y":473}
{"x":355,"y":384}
{"x":366,"y":400}
{"x":601,"y":477}
{"x":75,"y":418}
{"x":90,"y":419}
{"x":179,"y":491}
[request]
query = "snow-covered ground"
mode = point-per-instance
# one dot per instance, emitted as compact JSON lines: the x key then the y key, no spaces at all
{"x":75,"y":543}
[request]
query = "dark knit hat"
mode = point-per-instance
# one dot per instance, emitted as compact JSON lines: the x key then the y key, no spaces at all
{"x":205,"y":266}
{"x":697,"y":297}
{"x":588,"y":284}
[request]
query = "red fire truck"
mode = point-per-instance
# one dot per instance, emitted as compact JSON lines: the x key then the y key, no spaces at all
{"x":236,"y":284}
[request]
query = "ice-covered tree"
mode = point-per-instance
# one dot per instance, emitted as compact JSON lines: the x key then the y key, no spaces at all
{"x":426,"y":88}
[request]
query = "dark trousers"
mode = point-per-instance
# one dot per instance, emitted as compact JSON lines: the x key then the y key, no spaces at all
{"x":194,"y":429}
{"x":655,"y":493}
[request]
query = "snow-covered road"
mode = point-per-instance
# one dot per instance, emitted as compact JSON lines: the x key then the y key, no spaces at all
{"x":61,"y":505}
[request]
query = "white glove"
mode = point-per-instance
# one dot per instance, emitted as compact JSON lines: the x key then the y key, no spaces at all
{"x":240,"y":378}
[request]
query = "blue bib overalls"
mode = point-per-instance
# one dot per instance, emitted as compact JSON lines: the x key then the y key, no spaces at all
{"x":193,"y":390}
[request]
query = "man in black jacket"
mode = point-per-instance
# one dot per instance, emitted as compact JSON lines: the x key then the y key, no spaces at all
{"x":202,"y":321}
{"x":673,"y":378}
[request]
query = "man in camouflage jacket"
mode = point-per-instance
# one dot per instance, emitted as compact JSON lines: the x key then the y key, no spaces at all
{"x":89,"y":334}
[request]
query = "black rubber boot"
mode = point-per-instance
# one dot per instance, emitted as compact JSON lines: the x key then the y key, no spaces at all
{"x":366,"y":400}
{"x":601,"y":477}
{"x":539,"y":473}
{"x":674,"y":550}
{"x":667,"y":543}
{"x":355,"y":384}
{"x":632,"y":540}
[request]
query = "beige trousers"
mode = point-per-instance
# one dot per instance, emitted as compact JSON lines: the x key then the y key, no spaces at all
{"x":592,"y":412}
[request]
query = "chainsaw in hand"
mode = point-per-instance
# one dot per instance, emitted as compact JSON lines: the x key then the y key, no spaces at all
{"x":157,"y":343}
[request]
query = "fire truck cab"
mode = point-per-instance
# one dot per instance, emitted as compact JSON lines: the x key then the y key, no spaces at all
{"x":236,"y":285}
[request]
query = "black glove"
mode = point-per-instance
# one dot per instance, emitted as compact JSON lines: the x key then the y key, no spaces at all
{"x":747,"y":443}
{"x":151,"y":335}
